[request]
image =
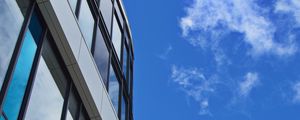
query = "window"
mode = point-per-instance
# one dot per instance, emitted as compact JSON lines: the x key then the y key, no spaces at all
{"x":73,"y":4}
{"x":11,"y":18}
{"x":118,"y":10}
{"x":124,"y":109}
{"x":49,"y":77}
{"x":106,"y":9}
{"x":125,"y":58}
{"x":86,"y":23}
{"x":114,"y":88}
{"x":101,"y":56}
{"x":116,"y":37}
{"x":22,"y":71}
{"x":44,"y":104}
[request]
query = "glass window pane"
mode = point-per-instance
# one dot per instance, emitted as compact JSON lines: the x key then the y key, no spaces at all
{"x":86,"y":22}
{"x":114,"y":88}
{"x":101,"y":55}
{"x":124,"y":109}
{"x":22,"y":71}
{"x":20,"y":77}
{"x":44,"y":104}
{"x":116,"y":37}
{"x":73,"y":4}
{"x":125,"y":61}
{"x":119,"y":13}
{"x":11,"y":19}
{"x":106,"y":9}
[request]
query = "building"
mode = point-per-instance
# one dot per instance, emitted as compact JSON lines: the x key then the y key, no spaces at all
{"x":65,"y":59}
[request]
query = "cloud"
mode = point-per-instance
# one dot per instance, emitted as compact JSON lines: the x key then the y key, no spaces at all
{"x":206,"y":19}
{"x":296,"y":89}
{"x":166,"y":53}
{"x":251,"y":80}
{"x":289,"y":6}
{"x":194,"y":83}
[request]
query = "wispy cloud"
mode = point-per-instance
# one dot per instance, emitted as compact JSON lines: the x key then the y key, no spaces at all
{"x":166,"y":53}
{"x":250,"y":81}
{"x":296,"y":88}
{"x":194,"y":83}
{"x":289,"y":6}
{"x":205,"y":18}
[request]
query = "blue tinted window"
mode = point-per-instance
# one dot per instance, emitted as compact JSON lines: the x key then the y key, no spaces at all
{"x":114,"y":88}
{"x":86,"y":23}
{"x":20,"y":77}
{"x":125,"y":57}
{"x":73,"y":4}
{"x":124,"y":109}
{"x":21,"y":74}
{"x":101,"y":55}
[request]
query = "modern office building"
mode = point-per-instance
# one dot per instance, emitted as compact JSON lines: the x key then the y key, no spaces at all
{"x":65,"y":59}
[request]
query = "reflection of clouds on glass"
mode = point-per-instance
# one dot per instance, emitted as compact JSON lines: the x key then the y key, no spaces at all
{"x":116,"y":37}
{"x":123,"y":113}
{"x":86,"y":22}
{"x":113,"y":88}
{"x":11,"y":20}
{"x":44,"y":104}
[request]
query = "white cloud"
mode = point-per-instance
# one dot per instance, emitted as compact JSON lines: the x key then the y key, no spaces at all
{"x":194,"y":83}
{"x":289,"y":6}
{"x":296,"y":89}
{"x":251,"y":80}
{"x":205,"y":18}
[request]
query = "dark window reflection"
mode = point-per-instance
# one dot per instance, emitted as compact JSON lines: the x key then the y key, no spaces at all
{"x":101,"y":55}
{"x":114,"y":88}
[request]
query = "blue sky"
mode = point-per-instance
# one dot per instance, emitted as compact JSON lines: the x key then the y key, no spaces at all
{"x":216,"y":59}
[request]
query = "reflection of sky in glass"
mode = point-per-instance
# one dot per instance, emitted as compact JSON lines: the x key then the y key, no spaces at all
{"x":123,"y":112}
{"x":106,"y":11}
{"x":20,"y":77}
{"x":125,"y":62}
{"x":11,"y":20}
{"x":113,"y":88}
{"x":86,"y":22}
{"x":101,"y":56}
{"x":73,"y":4}
{"x":116,"y":37}
{"x":44,"y":104}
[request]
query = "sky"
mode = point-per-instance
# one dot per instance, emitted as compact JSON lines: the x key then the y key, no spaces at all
{"x":216,"y":59}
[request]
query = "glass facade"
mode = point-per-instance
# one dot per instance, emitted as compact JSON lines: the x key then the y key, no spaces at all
{"x":106,"y":8}
{"x":114,"y":88}
{"x":41,"y":79}
{"x":101,"y":55}
{"x":125,"y":58}
{"x":86,"y":22}
{"x":117,"y":37}
{"x":9,"y":32}
{"x":41,"y":98}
